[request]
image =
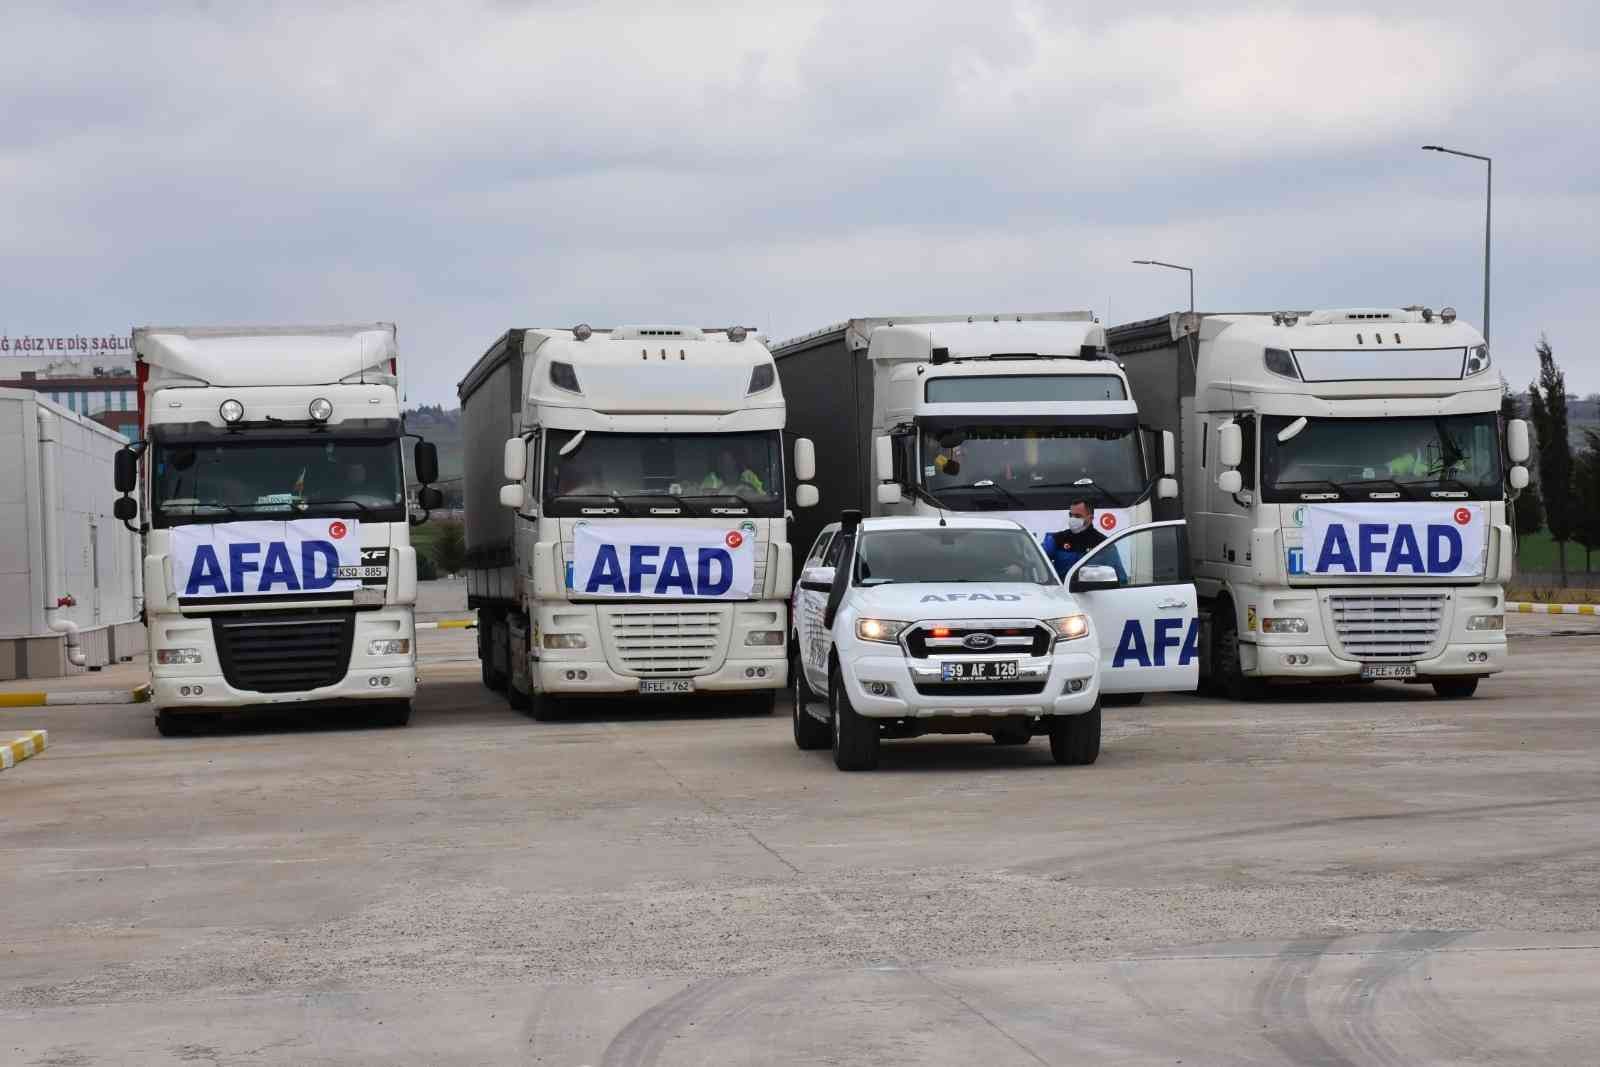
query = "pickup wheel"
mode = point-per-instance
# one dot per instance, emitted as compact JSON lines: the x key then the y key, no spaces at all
{"x":518,"y":700}
{"x":810,"y":733}
{"x":1455,"y":688}
{"x":1227,"y":669}
{"x":1075,"y":739}
{"x":1122,"y":700}
{"x":855,"y":738}
{"x":1012,"y":735}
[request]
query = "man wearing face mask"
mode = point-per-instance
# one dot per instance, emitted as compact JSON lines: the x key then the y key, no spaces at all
{"x":1066,"y":547}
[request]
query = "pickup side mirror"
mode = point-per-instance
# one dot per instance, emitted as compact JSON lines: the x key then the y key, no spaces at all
{"x":1095,"y":576}
{"x":1230,"y":482}
{"x":817,"y":576}
{"x":514,"y":463}
{"x":806,"y":496}
{"x":425,"y":458}
{"x":805,"y":460}
{"x":1230,"y":445}
{"x":511,"y":496}
{"x":125,"y":471}
{"x":1517,"y":447}
{"x":125,"y":508}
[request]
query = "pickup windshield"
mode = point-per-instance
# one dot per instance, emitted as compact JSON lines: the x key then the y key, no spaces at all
{"x":247,"y":476}
{"x":987,"y":468}
{"x":663,"y":474}
{"x":950,"y":554}
{"x":1424,"y":457}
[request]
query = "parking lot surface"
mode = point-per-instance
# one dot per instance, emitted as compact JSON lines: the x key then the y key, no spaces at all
{"x":1368,"y":875}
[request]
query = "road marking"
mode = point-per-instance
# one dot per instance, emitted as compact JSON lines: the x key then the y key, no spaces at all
{"x":29,"y":744}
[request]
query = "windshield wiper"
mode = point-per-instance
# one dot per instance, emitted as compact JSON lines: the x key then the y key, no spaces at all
{"x":739,"y":500}
{"x":622,"y":505}
{"x":1401,"y":489}
{"x":682,"y":503}
{"x":304,"y":505}
{"x":1116,"y":501}
{"x":987,"y":483}
{"x":1335,"y":486}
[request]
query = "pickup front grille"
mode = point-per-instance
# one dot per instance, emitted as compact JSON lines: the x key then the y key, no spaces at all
{"x":282,"y":652}
{"x":1389,"y":627}
{"x":1001,"y":638}
{"x":980,"y":689}
{"x":669,"y":640}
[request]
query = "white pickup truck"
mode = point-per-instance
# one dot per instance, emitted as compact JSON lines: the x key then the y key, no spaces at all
{"x":913,"y":625}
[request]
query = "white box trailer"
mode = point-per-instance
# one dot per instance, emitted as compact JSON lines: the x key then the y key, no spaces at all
{"x":69,"y":571}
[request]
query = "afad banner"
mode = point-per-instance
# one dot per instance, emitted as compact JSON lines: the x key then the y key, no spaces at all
{"x":271,"y":558}
{"x":663,"y":560}
{"x":1406,"y":540}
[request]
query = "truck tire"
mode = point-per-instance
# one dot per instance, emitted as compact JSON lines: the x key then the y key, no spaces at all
{"x":1012,"y":735}
{"x":542,"y":707}
{"x":855,"y":738}
{"x":1122,"y":700}
{"x":392,"y":713}
{"x":1075,"y":739}
{"x":492,"y":637}
{"x":175,"y":724}
{"x":518,"y":700}
{"x":810,"y":733}
{"x":1455,"y":688}
{"x":1227,"y":672}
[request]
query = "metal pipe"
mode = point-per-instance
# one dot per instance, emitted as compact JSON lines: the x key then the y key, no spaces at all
{"x":49,"y":491}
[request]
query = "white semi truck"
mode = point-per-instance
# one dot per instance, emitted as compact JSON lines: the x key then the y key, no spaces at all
{"x":1014,"y":416}
{"x":1345,"y":476}
{"x":278,"y":566}
{"x":626,"y":519}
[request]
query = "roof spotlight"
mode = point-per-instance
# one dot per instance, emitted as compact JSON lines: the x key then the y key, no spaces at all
{"x":1290,"y":318}
{"x":1447,"y":315}
{"x":583,"y":331}
{"x":320,"y":409}
{"x":737,"y":333}
{"x":231,"y":411}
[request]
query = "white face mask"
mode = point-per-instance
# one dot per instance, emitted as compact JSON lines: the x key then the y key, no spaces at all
{"x":1075,"y":524}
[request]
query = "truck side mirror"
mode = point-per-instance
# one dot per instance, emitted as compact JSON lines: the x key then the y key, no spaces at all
{"x":883,"y":457}
{"x":1167,"y":488}
{"x":514,"y":463}
{"x":512,"y":496}
{"x":429,"y":498}
{"x":1169,"y":454}
{"x":888,"y":493}
{"x":805,"y":461}
{"x":1517,"y":441}
{"x":126,"y":509}
{"x":806,"y":496}
{"x":1230,"y":481}
{"x":425,"y":458}
{"x":1230,"y":444}
{"x":1518,"y":477}
{"x":125,"y":471}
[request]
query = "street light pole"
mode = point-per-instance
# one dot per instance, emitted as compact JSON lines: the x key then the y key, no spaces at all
{"x":1173,"y":266}
{"x":1488,"y":218}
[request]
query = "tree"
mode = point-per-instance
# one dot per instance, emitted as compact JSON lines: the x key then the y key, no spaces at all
{"x":1548,"y":399}
{"x":1586,"y":496}
{"x":450,"y":549}
{"x":1528,"y":511}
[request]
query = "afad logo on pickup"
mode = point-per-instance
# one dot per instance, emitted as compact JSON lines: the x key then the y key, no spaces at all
{"x":1134,"y":651}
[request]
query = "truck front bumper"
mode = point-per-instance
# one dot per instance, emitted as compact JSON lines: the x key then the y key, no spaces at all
{"x":1318,"y":663}
{"x":212,"y":692}
{"x":1066,"y":683}
{"x":568,"y":677}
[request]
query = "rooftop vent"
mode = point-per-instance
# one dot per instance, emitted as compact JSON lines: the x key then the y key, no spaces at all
{"x":676,"y":333}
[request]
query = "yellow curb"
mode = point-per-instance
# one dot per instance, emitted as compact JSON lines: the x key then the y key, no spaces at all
{"x":449,"y":624}
{"x":1524,"y":608}
{"x":29,"y":744}
{"x":138,"y":695}
{"x":23,"y":700}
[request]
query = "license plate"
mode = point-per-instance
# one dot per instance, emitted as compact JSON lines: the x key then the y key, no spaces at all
{"x":994,"y":670}
{"x":364,"y":572}
{"x":666,"y":685}
{"x":1389,"y":670}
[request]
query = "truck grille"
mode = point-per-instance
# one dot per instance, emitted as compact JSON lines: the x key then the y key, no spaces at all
{"x":279,"y":652}
{"x":1391,"y":626}
{"x":666,"y":640}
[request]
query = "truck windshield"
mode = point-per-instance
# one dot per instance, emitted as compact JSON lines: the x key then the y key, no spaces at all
{"x":950,"y":554}
{"x":664,"y":474}
{"x":979,"y":468}
{"x":247,"y":476}
{"x":1420,"y":457}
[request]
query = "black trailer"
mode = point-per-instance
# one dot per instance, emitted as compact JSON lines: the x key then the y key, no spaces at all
{"x":1159,"y":357}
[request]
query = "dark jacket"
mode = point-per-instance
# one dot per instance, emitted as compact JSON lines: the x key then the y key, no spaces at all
{"x":1083,"y":542}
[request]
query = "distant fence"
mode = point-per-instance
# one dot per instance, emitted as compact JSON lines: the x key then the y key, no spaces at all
{"x":1555,"y":580}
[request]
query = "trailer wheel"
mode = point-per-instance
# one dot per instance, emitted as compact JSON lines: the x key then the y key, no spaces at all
{"x":809,"y":732}
{"x":1075,"y":739}
{"x":493,"y":639}
{"x":175,"y":724}
{"x":1455,"y":688}
{"x":855,"y":738}
{"x":1227,"y":670}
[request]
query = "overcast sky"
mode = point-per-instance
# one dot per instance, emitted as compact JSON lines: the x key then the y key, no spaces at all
{"x":460,"y":170}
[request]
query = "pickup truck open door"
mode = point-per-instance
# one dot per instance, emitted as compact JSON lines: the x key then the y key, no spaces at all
{"x":1137,"y":589}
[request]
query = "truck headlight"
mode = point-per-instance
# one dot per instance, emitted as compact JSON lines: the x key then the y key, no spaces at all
{"x":1285,"y":624}
{"x":170,"y":656}
{"x":764,"y":637}
{"x":885,"y":631}
{"x":1487,"y":622}
{"x":389,"y":646}
{"x":1071,"y":627}
{"x":1477,"y":361}
{"x":567,"y":641}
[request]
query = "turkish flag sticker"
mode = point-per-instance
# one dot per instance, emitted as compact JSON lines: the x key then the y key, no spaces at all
{"x":734,"y":539}
{"x":1463,"y":516}
{"x":1108,"y":521}
{"x":337,"y":530}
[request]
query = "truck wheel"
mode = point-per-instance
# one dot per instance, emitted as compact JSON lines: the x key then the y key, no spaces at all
{"x":809,"y":732}
{"x":1012,"y":735}
{"x":761,"y":702}
{"x":1455,"y":688}
{"x":1075,"y":739}
{"x":394,"y":713}
{"x":174,"y":724}
{"x":493,"y":636}
{"x":1122,"y":700}
{"x":855,"y":738}
{"x":542,"y":707}
{"x":518,"y":700}
{"x":1227,"y":670}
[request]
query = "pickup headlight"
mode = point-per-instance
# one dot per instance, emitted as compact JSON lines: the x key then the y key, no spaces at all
{"x":1286,"y":624}
{"x":567,"y":641}
{"x":170,"y":656}
{"x":885,"y":631}
{"x":389,"y":646}
{"x":1071,"y":627}
{"x":1487,"y":622}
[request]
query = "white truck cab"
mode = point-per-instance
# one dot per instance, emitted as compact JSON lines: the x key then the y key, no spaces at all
{"x":912,"y":625}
